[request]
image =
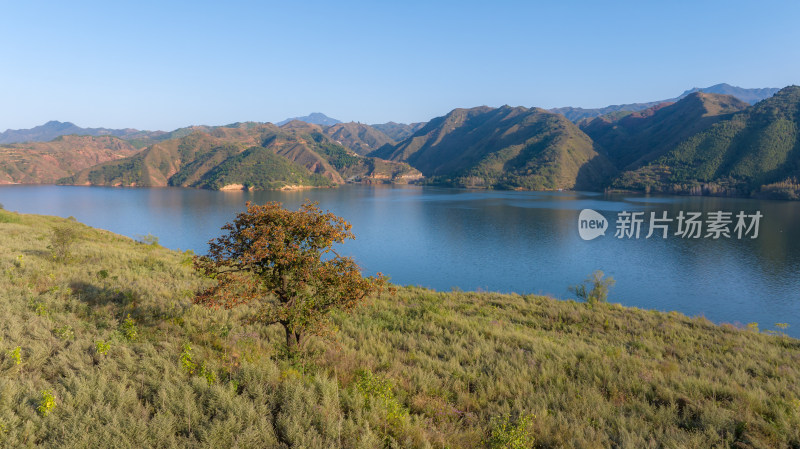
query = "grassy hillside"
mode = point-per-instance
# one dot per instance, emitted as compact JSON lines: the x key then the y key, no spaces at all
{"x":503,"y":148}
{"x":104,"y":349}
{"x":640,"y":137}
{"x":748,"y":153}
{"x":45,"y":162}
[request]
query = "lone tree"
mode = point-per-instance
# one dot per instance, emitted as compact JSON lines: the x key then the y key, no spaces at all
{"x":283,"y":261}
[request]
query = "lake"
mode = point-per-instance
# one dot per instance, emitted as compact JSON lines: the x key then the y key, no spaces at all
{"x":525,"y":242}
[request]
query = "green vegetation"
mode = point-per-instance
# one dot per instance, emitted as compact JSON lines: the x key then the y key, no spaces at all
{"x":260,"y":169}
{"x":62,"y":240}
{"x":506,"y":435}
{"x":638,"y":138}
{"x":594,"y":289}
{"x":336,"y":154}
{"x":507,"y":148}
{"x":47,"y":403}
{"x":754,"y":152}
{"x":415,"y":369}
{"x":102,"y":347}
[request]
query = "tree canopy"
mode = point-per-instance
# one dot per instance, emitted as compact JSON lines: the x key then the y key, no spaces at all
{"x":284,"y":262}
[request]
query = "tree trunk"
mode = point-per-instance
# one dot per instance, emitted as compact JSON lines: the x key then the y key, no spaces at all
{"x":294,"y":340}
{"x":298,"y":337}
{"x":291,"y":340}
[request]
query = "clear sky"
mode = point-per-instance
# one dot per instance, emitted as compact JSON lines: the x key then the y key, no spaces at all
{"x":167,"y":64}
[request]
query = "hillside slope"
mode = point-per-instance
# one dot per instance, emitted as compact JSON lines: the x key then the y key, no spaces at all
{"x":640,"y":137}
{"x":507,"y":147}
{"x":111,"y":335}
{"x":46,"y":162}
{"x":754,"y":151}
{"x":358,"y":137}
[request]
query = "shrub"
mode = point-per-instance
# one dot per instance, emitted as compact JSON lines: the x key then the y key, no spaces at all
{"x":64,"y":332}
{"x":149,"y":239}
{"x":505,"y":435}
{"x":62,"y":240}
{"x":47,"y":403}
{"x":187,"y":363}
{"x":594,"y":289}
{"x":16,"y":355}
{"x":101,"y":347}
{"x":208,"y":374}
{"x":380,"y":389}
{"x":39,"y":308}
{"x":129,"y":329}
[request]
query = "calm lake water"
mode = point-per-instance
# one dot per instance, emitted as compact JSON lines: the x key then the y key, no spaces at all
{"x":524,"y":242}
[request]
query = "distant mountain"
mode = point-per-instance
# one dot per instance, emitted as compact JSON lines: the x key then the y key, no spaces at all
{"x":245,"y":155}
{"x":751,"y":96}
{"x":398,"y":131}
{"x":755,"y":151}
{"x":578,"y":114}
{"x":507,"y":147}
{"x":45,"y":162}
{"x":640,"y":137}
{"x":317,"y":118}
{"x":358,"y":137}
{"x":53,"y":129}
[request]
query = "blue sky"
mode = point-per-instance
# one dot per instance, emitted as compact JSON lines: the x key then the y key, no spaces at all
{"x":163,"y":65}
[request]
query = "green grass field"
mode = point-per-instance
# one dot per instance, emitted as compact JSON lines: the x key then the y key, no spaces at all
{"x":105,"y":349}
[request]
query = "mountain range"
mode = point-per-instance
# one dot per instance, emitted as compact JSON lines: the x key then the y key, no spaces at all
{"x":751,"y":96}
{"x":698,"y":143}
{"x":244,"y":156}
{"x":53,"y":129}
